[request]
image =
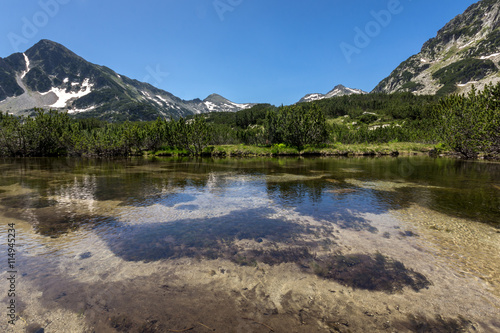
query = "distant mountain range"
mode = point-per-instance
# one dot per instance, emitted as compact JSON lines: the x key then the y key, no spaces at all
{"x":338,"y":91}
{"x":49,"y":75}
{"x":466,"y":51}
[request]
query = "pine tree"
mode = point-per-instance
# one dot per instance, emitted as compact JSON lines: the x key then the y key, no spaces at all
{"x":470,"y":124}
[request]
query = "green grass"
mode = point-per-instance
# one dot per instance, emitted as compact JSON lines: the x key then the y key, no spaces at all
{"x":245,"y":150}
{"x":337,"y":149}
{"x":366,"y":149}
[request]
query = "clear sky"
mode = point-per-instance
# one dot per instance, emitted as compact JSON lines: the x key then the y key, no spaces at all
{"x":265,"y":51}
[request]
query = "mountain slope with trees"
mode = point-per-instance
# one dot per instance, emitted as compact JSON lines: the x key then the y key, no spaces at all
{"x":49,"y":75}
{"x":465,"y":52}
{"x":468,"y":124}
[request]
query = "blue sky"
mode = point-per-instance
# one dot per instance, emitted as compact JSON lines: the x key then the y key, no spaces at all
{"x":245,"y":50}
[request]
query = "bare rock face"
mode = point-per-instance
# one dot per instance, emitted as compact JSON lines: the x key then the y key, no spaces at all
{"x":465,"y":52}
{"x":48,"y":75}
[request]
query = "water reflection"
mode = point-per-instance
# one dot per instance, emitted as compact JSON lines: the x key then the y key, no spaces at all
{"x":318,"y":200}
{"x":336,"y":219}
{"x":336,"y":190}
{"x":205,"y":237}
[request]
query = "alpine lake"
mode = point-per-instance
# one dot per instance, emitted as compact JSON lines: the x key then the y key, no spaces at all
{"x":386,"y":244}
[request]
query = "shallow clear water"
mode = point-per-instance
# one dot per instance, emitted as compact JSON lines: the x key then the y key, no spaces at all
{"x":381,"y":229}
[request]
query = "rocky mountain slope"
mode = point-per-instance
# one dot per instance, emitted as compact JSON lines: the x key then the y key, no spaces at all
{"x":465,"y":52}
{"x":338,"y":91}
{"x":49,"y":75}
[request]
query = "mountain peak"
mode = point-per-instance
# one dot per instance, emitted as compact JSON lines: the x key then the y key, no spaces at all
{"x":339,"y":90}
{"x":51,"y":54}
{"x":49,"y":75}
{"x":465,"y":51}
{"x":43,"y":42}
{"x":46,"y":44}
{"x":214,"y":97}
{"x":217,"y":103}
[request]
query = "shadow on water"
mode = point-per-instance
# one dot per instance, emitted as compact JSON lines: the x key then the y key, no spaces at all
{"x":420,"y":323}
{"x":319,"y":188}
{"x":359,"y":271}
{"x":370,"y":272}
{"x":217,"y":238}
{"x":203,"y":238}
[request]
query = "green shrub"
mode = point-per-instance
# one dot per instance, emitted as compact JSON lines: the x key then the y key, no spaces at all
{"x":470,"y":124}
{"x":464,"y":71}
{"x":368,"y":118}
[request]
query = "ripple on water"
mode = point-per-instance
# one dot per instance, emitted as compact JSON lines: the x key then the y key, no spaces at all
{"x":472,"y":246}
{"x":133,"y":221}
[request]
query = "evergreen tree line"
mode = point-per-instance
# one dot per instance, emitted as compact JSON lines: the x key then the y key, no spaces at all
{"x":54,"y":133}
{"x":396,"y":106}
{"x":468,"y":124}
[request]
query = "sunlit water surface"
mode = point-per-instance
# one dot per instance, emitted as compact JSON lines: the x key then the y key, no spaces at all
{"x":244,"y":245}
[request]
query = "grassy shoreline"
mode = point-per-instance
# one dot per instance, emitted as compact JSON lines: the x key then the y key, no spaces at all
{"x":385,"y":149}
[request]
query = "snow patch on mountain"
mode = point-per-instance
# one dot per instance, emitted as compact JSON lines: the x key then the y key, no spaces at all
{"x":63,"y":97}
{"x":313,"y":97}
{"x":217,"y":103}
{"x":468,"y":83}
{"x":490,"y":56}
{"x":240,"y":106}
{"x":81,"y":110}
{"x":211,"y":106}
{"x":162,"y":99}
{"x":338,"y":91}
{"x":26,"y":59}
